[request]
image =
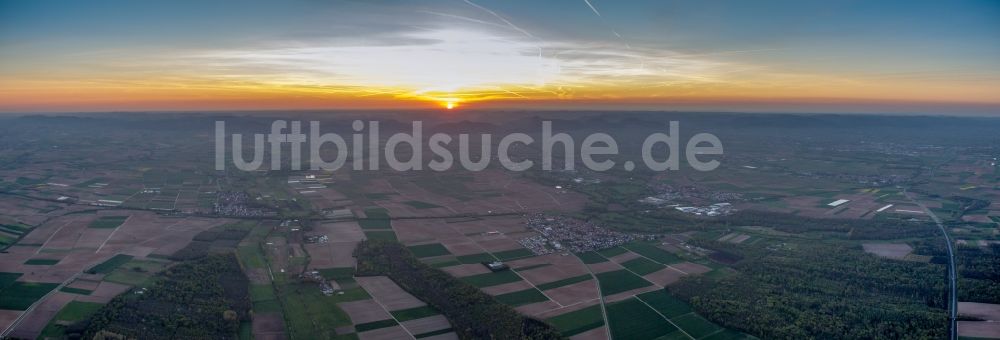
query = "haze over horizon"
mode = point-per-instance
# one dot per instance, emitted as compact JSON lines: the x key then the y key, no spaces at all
{"x":923,"y":57}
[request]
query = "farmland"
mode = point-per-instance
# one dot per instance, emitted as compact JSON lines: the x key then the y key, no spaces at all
{"x":63,"y":323}
{"x":620,"y":281}
{"x":108,"y":222}
{"x":672,"y":274}
{"x":579,"y":321}
{"x":631,"y":319}
{"x":21,"y":295}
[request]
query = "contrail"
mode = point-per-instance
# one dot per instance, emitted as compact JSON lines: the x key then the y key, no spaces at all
{"x":592,"y":8}
{"x":613,"y":31}
{"x":509,"y":24}
{"x":463,"y":18}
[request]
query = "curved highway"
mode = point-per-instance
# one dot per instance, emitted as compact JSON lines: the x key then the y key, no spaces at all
{"x":952,"y":276}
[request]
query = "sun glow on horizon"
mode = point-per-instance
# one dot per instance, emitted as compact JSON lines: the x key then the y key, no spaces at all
{"x":447,"y":58}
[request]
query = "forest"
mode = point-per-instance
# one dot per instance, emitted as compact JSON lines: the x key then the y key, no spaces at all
{"x":979,"y":273}
{"x":473,"y":313}
{"x":821,"y":291}
{"x":205,"y":298}
{"x":978,"y":269}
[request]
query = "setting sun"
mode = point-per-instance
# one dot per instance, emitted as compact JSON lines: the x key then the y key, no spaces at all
{"x":501,"y":55}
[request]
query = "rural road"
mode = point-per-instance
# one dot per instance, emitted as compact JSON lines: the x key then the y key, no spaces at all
{"x":24,"y":314}
{"x":952,"y":276}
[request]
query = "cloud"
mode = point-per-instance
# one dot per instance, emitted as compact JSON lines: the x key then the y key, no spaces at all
{"x":456,"y":61}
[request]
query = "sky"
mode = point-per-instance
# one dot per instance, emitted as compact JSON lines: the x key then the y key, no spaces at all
{"x":914,"y":56}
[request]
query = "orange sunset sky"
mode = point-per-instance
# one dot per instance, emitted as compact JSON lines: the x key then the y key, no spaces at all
{"x":799,"y":56}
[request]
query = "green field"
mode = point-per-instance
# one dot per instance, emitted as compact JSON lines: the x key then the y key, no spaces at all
{"x":127,"y":277}
{"x":443,"y":262}
{"x":612,"y":252}
{"x":367,"y":223}
{"x":523,"y":297}
{"x":267,"y":306}
{"x":41,"y":262}
{"x":377,"y":213}
{"x":591,"y":257}
{"x":534,"y":266}
{"x":263,"y":299}
{"x":72,"y":290}
{"x":108,"y":222}
{"x":695,"y":325}
{"x":667,"y":305}
{"x":262,"y":296}
{"x":578,"y":321}
{"x":261,"y":292}
{"x":7,"y":239}
{"x":728,"y":334}
{"x":375,"y":325}
{"x":492,"y":278}
{"x":20,"y":295}
{"x":475,"y":258}
{"x":421,"y":205}
{"x":347,"y":283}
{"x":135,"y":272}
{"x":110,"y":265}
{"x":251,"y":256}
{"x":381,"y":235}
{"x":433,"y":333}
{"x":18,"y":229}
{"x":632,"y":319}
{"x":642,"y":266}
{"x":7,"y":279}
{"x":310,"y":314}
{"x":91,"y":181}
{"x":654,"y":253}
{"x":429,"y":250}
{"x":414,"y":313}
{"x":246,"y":330}
{"x":74,"y":311}
{"x":564,"y":282}
{"x":513,"y":254}
{"x":378,"y":196}
{"x":337,"y":273}
{"x":620,"y":281}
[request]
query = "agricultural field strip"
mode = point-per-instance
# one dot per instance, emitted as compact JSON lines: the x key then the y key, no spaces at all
{"x":668,"y":319}
{"x":112,"y":234}
{"x":392,"y":316}
{"x":37,"y":251}
{"x":133,"y":195}
{"x":600,"y":295}
{"x":404,"y":197}
{"x":655,"y":261}
{"x":27,"y":311}
{"x":637,"y":297}
{"x":160,"y":236}
{"x":637,"y":274}
{"x":512,"y":271}
{"x":572,"y":304}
